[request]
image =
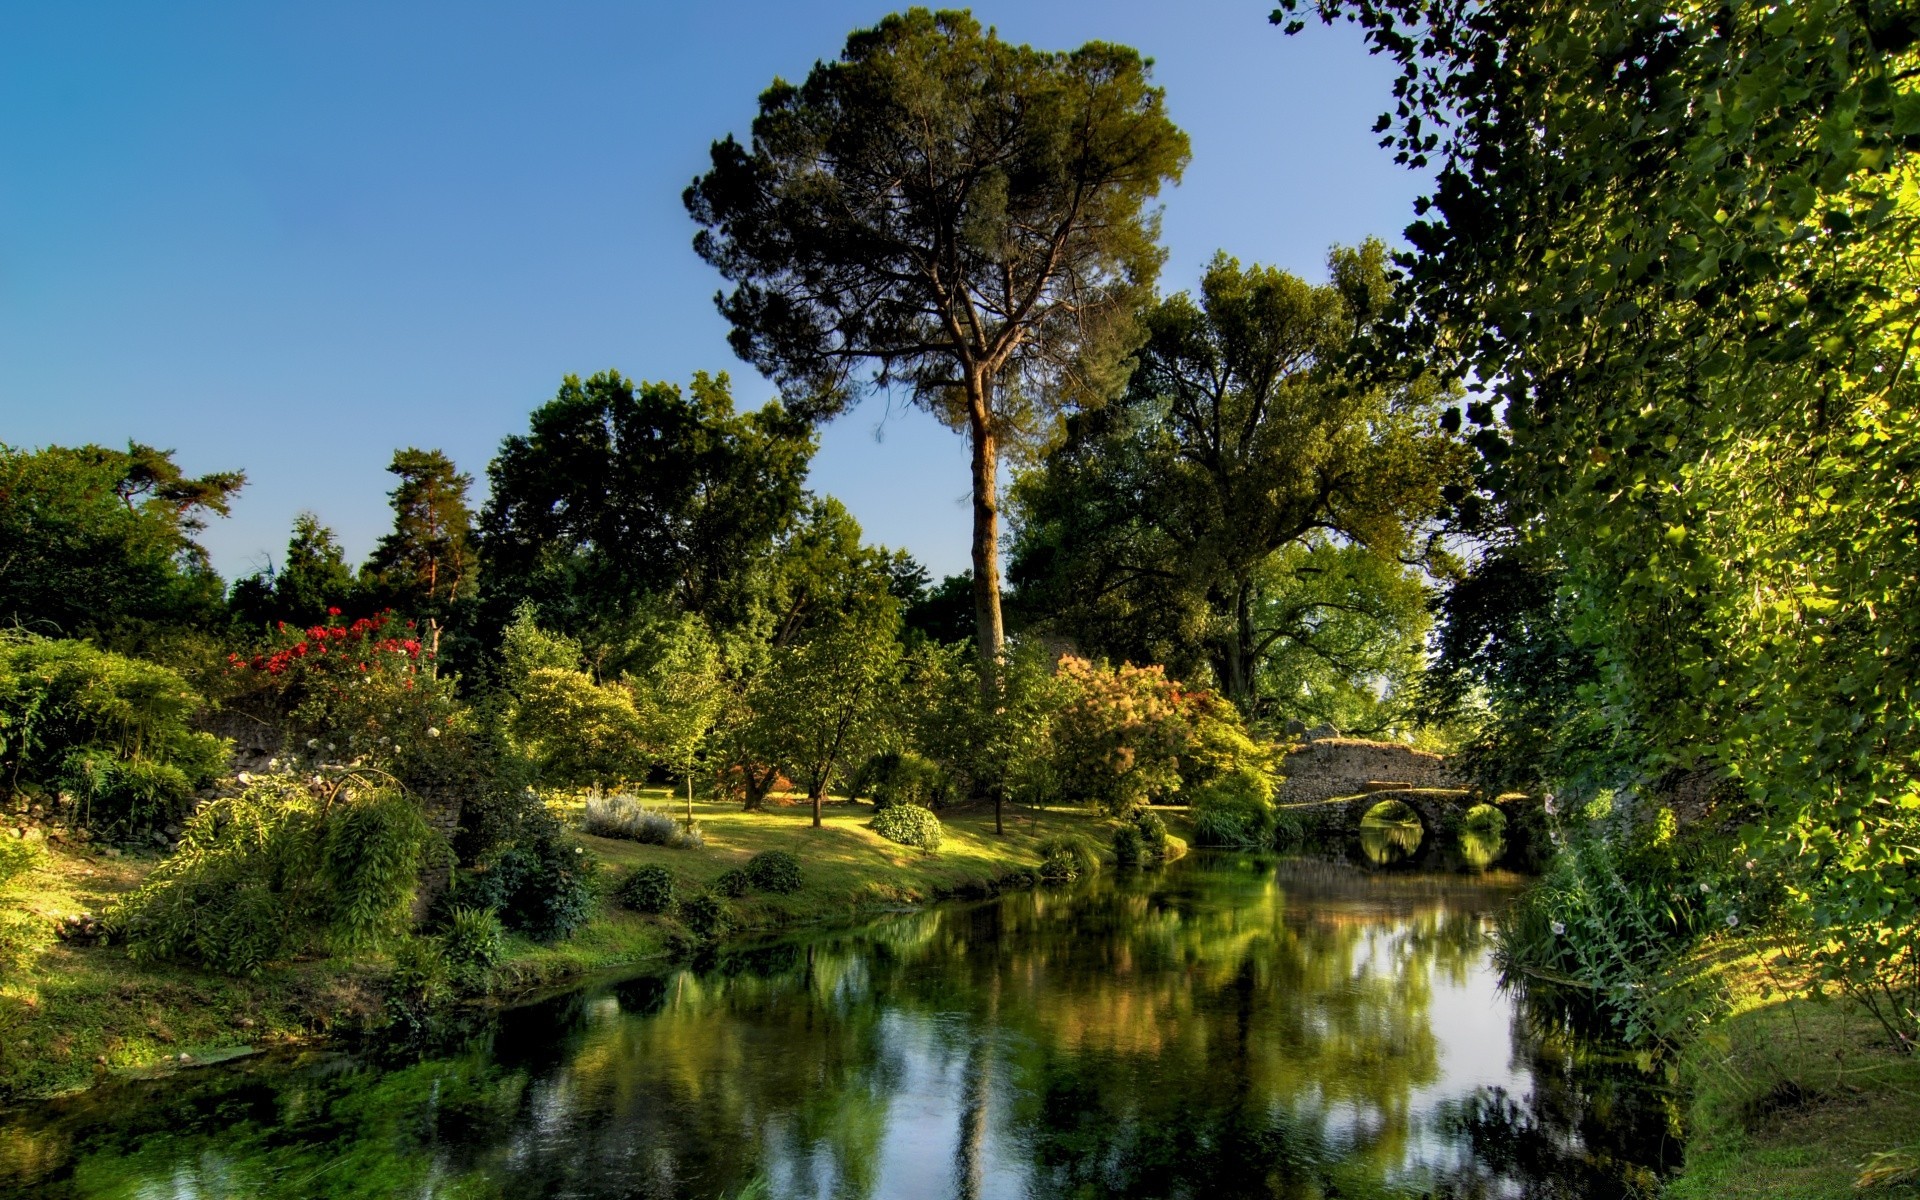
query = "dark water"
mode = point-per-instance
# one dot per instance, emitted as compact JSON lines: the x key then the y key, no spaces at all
{"x":1228,"y":1027}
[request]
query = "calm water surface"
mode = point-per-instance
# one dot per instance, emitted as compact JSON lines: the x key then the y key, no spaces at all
{"x":1226,"y":1027}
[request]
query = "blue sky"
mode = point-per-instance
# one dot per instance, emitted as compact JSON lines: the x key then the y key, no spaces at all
{"x":290,"y":238}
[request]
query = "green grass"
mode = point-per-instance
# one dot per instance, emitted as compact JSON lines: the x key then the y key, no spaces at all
{"x":70,"y":1014}
{"x":1792,"y":1097}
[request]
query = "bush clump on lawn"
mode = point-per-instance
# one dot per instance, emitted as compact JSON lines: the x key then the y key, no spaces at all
{"x":1127,"y":849}
{"x":1065,"y":858}
{"x":473,"y":943}
{"x":706,"y":914}
{"x":625,"y":818}
{"x":648,"y":890}
{"x":910,"y":825}
{"x":733,"y":882}
{"x":277,"y":870}
{"x":539,"y":883}
{"x":774,"y":871}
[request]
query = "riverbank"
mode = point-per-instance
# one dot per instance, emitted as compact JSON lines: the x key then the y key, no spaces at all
{"x":1795,"y":1098}
{"x":71,"y":1015}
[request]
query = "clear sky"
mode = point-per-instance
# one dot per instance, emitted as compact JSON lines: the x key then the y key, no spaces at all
{"x":290,"y":238}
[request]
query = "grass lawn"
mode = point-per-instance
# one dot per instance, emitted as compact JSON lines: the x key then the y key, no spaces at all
{"x":69,"y":1014}
{"x":1793,"y":1097}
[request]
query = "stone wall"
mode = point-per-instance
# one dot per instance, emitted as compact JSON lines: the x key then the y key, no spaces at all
{"x":1329,"y":767}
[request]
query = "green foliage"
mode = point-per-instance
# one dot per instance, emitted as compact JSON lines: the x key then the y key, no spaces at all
{"x":101,"y":542}
{"x":474,"y":942}
{"x":828,"y":249}
{"x":1153,"y":834}
{"x":1244,"y":509}
{"x":1235,"y":810}
{"x":648,"y":889}
{"x":909,"y":825}
{"x":1065,"y":857}
{"x":427,"y":564}
{"x":732,"y":883}
{"x":774,"y":871}
{"x":1127,"y":847}
{"x":1700,"y":425}
{"x":539,"y":884}
{"x":1003,"y":748}
{"x":706,"y":914}
{"x":621,"y":492}
{"x":278,"y":870}
{"x":422,"y":981}
{"x":901,"y":777}
{"x":313,"y":580}
{"x":574,"y":732}
{"x":112,"y":732}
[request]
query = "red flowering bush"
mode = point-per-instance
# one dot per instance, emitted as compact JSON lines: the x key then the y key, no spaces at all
{"x":1120,"y":738}
{"x":364,"y":692}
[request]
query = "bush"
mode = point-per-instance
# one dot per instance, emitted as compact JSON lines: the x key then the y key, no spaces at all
{"x":474,"y":942}
{"x":909,"y":825}
{"x":1153,"y":834}
{"x":1289,"y":831}
{"x":774,"y":871}
{"x":275,"y":871}
{"x":538,"y":883}
{"x":1127,"y":846}
{"x":733,"y":882}
{"x":422,"y":981}
{"x":648,"y":889}
{"x":1235,"y":811}
{"x":706,"y":914}
{"x":903,"y":778}
{"x":110,"y":731}
{"x":1065,"y":857}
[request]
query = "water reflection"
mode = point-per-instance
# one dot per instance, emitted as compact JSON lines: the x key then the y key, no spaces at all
{"x":1226,"y":1028}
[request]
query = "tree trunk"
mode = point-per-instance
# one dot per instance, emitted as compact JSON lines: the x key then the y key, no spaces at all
{"x":999,"y":801}
{"x":989,"y":635}
{"x":815,"y":797}
{"x":1240,"y":650}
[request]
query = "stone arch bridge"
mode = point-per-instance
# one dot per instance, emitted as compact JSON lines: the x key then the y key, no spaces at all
{"x":1333,"y":782}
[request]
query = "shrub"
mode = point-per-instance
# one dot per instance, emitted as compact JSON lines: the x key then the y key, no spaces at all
{"x":1127,"y":846}
{"x":1289,"y":831}
{"x":474,"y":942}
{"x":623,"y":817}
{"x":1153,"y":834}
{"x":706,"y":914}
{"x":1065,"y":857}
{"x":422,"y":981}
{"x":1120,"y":738}
{"x":909,"y":825}
{"x":110,"y":731}
{"x":274,"y":871}
{"x":1235,"y":811}
{"x":903,"y":778}
{"x":733,"y":882}
{"x":774,"y":871}
{"x":648,"y":889}
{"x":538,"y":883}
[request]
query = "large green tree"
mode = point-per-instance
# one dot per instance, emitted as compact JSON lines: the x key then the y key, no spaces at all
{"x":313,"y":577}
{"x":620,"y":492}
{"x":100,"y":542}
{"x":953,"y":214}
{"x":1678,"y":247}
{"x":1155,"y":531}
{"x":425,"y":566}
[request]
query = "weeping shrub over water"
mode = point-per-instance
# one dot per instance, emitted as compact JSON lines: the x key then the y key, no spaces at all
{"x":277,"y":870}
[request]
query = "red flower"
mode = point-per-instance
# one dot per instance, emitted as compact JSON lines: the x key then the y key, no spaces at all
{"x":333,"y":612}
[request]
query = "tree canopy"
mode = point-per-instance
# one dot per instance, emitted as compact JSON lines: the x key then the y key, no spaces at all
{"x":951,"y":213}
{"x":1154,"y":531}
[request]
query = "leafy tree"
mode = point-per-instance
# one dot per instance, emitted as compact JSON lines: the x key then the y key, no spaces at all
{"x":964,"y":216}
{"x":426,"y":565}
{"x":1676,"y":248}
{"x":1156,"y":531}
{"x":312,"y":579}
{"x":680,"y":694}
{"x":822,"y":702}
{"x":619,"y":492}
{"x":100,"y":542}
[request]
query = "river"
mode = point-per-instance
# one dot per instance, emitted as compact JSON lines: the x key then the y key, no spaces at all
{"x":1225,"y":1027}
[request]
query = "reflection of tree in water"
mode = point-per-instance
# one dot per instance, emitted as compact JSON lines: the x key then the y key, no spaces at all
{"x":1230,"y":1031}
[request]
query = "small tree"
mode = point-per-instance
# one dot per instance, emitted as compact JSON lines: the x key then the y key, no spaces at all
{"x":680,"y":696}
{"x":965,"y":215}
{"x":426,"y":564}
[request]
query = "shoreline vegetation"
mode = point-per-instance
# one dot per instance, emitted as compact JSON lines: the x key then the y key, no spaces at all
{"x":77,"y":1015}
